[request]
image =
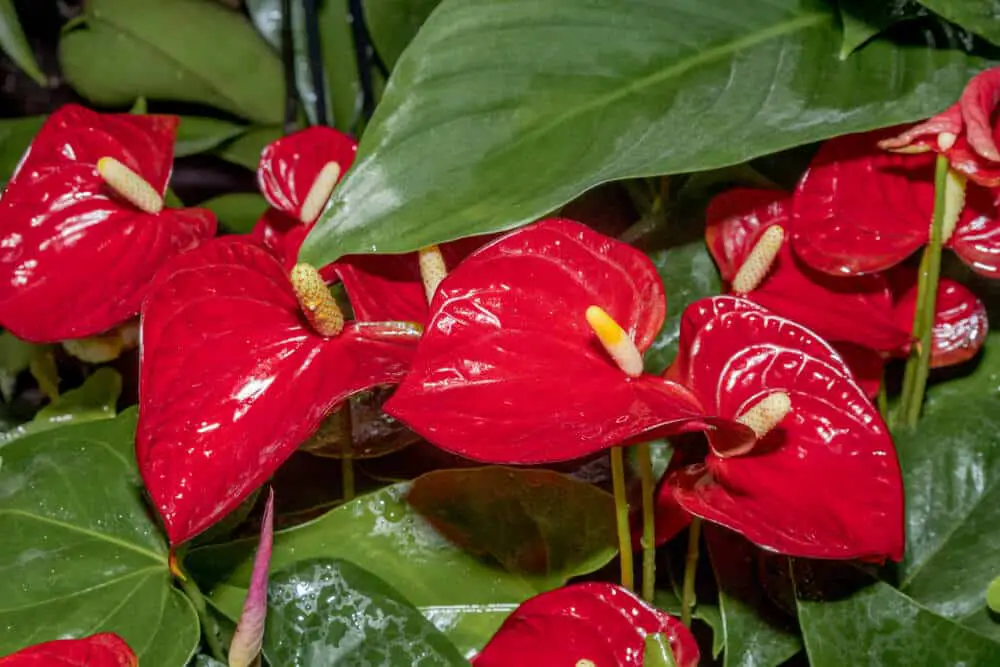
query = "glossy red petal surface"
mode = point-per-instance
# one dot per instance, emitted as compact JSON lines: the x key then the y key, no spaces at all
{"x":509,"y":370}
{"x":979,"y":104}
{"x":923,"y":137}
{"x":789,"y":494}
{"x":976,"y":240}
{"x":964,"y":159}
{"x":960,"y":320}
{"x":859,"y":209}
{"x":599,"y":622}
{"x":854,"y":309}
{"x":100,"y":650}
{"x":233,"y":380}
{"x":289,"y":166}
{"x":867,"y":366}
{"x":389,"y":287}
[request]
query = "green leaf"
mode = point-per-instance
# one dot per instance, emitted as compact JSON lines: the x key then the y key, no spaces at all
{"x":16,"y":135}
{"x":238,"y":212}
{"x":978,"y":16}
{"x":465,"y":597}
{"x":181,"y":50}
{"x":15,"y":357}
{"x":95,"y":399}
{"x":394,"y":23}
{"x":15,"y":44}
{"x":332,"y":612}
{"x":688,"y":274}
{"x":658,"y":652}
{"x":533,"y":521}
{"x":197,"y":135}
{"x":245,"y":149}
{"x":879,"y":626}
{"x":993,"y":596}
{"x":951,"y":472}
{"x":754,"y":634}
{"x":503,"y":110}
{"x":864,"y":19}
{"x":81,"y":549}
{"x":668,"y":601}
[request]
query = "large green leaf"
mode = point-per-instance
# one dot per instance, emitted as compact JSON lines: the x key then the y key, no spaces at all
{"x":466,"y":597}
{"x":15,"y":44}
{"x":753,"y":631}
{"x":94,"y":400}
{"x":864,"y":19}
{"x":187,"y":50}
{"x":15,"y":137}
{"x":503,"y":110}
{"x":245,"y":149}
{"x":332,"y":612}
{"x":951,"y":467}
{"x":237,"y":212}
{"x":535,"y":521}
{"x":197,"y":135}
{"x":80,"y":551}
{"x":978,"y":16}
{"x":879,"y":626}
{"x":394,"y":23}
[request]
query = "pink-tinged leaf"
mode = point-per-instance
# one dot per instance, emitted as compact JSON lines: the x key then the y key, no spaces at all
{"x":75,"y":258}
{"x":101,"y":650}
{"x":850,"y":309}
{"x":960,"y":320}
{"x":249,"y":636}
{"x":290,"y":166}
{"x":233,"y":379}
{"x":509,"y":370}
{"x":825,"y":482}
{"x":604,"y":624}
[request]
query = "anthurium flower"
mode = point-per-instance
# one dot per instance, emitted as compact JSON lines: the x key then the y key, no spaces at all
{"x":966,"y":132}
{"x":101,"y":650}
{"x":84,"y":228}
{"x":585,"y":625}
{"x":787,"y":493}
{"x":241,"y":360}
{"x":249,"y":636}
{"x":859,"y":210}
{"x":510,"y":370}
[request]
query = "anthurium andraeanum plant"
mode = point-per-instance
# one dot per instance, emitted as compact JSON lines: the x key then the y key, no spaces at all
{"x":736,"y":405}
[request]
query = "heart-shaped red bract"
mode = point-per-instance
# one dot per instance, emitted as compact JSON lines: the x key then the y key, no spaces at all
{"x":75,"y":258}
{"x":289,"y":166}
{"x":859,"y":209}
{"x":850,"y":309}
{"x":604,"y":624}
{"x":825,"y":482}
{"x":100,"y":650}
{"x":233,"y":379}
{"x":509,"y":371}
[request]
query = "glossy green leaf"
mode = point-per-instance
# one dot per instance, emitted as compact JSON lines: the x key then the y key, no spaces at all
{"x":81,"y":549}
{"x":658,"y":653}
{"x":503,"y":110}
{"x":951,"y":468}
{"x":533,"y":521}
{"x":879,"y":626}
{"x":688,"y":274}
{"x":978,"y":16}
{"x":332,"y":612}
{"x":864,"y":19}
{"x":464,"y":596}
{"x":197,"y":135}
{"x":237,"y":212}
{"x":754,"y":632}
{"x":95,"y":399}
{"x":394,"y":23}
{"x":707,"y":612}
{"x":15,"y":44}
{"x":245,"y":149}
{"x":15,"y":137}
{"x":180,"y":50}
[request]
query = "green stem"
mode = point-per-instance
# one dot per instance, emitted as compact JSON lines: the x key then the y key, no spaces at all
{"x":918,"y":365}
{"x":882,"y":400}
{"x":208,"y":625}
{"x":648,"y":522}
{"x":621,"y":516}
{"x":690,"y":570}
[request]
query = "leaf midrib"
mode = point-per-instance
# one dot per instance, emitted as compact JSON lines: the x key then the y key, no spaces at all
{"x":156,"y":558}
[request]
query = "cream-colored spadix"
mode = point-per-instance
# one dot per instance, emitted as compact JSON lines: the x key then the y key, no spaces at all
{"x":615,"y":341}
{"x":129,"y":185}
{"x":432,"y":269}
{"x":317,"y":303}
{"x":759,"y":261}
{"x":767,"y":413}
{"x":319,"y":193}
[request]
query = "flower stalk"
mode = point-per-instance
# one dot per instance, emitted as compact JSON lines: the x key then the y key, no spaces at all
{"x":648,"y":521}
{"x":621,"y":517}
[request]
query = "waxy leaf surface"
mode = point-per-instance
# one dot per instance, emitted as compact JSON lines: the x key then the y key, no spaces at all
{"x":59,"y":215}
{"x":102,"y":650}
{"x":480,"y":129}
{"x":333,"y":612}
{"x":597,"y":622}
{"x":509,"y":370}
{"x":233,"y":379}
{"x":87,"y":554}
